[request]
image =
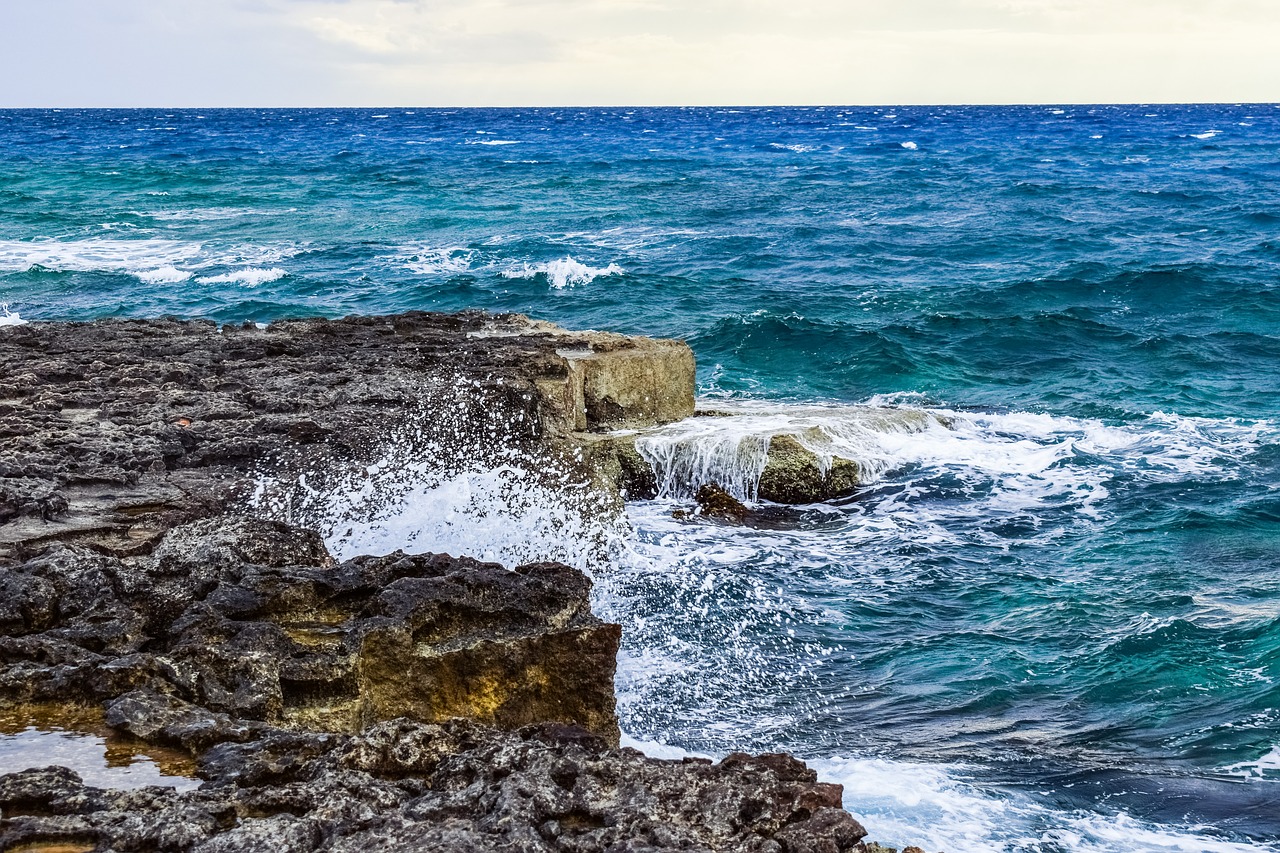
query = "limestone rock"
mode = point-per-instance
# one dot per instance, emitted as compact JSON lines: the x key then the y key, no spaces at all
{"x":793,"y":474}
{"x":114,"y":431}
{"x":405,"y":786}
{"x":240,"y":619}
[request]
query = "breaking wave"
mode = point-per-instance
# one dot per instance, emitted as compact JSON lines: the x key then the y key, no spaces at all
{"x":563,"y":273}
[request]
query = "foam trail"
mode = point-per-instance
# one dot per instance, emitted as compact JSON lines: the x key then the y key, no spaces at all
{"x":128,"y":256}
{"x":152,"y":261}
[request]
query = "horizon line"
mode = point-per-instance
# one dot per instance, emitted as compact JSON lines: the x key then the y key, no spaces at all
{"x":620,"y":106}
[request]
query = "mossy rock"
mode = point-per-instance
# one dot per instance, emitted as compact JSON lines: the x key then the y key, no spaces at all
{"x":793,"y":475}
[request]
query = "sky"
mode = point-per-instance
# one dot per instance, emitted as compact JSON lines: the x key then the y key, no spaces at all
{"x":210,"y":53}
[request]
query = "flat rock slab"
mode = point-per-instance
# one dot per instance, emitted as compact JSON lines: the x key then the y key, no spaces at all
{"x":113,"y":431}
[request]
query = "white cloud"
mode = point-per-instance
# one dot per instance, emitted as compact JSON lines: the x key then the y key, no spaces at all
{"x":458,"y":52}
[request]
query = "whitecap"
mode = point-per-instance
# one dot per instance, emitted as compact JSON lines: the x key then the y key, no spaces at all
{"x":493,"y":141}
{"x":429,"y":260}
{"x":9,"y":318}
{"x":797,"y":148}
{"x":562,"y":273}
{"x":1208,"y":134}
{"x":251,"y":277}
{"x":910,"y":146}
{"x":163,"y":275}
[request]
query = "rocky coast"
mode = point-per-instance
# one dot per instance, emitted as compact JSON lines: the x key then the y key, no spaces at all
{"x":157,"y":571}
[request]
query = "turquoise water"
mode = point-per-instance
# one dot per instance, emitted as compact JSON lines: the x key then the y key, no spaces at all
{"x":1051,"y":624}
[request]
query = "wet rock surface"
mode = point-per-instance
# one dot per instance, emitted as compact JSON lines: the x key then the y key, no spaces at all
{"x":458,"y":786}
{"x":323,"y":697}
{"x":114,"y":431}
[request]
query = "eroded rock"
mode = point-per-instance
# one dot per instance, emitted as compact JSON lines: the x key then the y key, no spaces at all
{"x":404,"y":786}
{"x":238,"y":619}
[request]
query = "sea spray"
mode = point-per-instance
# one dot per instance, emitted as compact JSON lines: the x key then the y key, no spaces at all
{"x":460,"y":476}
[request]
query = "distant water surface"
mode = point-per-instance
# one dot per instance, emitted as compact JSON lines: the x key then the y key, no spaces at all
{"x":1051,"y":624}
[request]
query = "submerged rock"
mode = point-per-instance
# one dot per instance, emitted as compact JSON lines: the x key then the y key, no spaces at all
{"x":793,"y":474}
{"x":714,"y":502}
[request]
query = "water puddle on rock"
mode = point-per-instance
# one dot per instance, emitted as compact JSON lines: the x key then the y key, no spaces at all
{"x":78,"y":738}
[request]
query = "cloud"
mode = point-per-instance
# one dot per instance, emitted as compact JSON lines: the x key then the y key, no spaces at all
{"x":460,"y":52}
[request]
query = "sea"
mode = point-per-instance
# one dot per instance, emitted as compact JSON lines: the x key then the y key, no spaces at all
{"x":1050,"y":619}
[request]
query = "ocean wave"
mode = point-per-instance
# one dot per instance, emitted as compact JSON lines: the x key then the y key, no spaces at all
{"x":93,"y":255}
{"x":935,"y":806}
{"x":1022,"y":458}
{"x":203,"y":214}
{"x":797,"y":148}
{"x":163,"y":275}
{"x":251,"y":277}
{"x":562,"y":273}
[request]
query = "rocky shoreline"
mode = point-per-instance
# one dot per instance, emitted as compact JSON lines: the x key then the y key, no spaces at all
{"x":395,"y":701}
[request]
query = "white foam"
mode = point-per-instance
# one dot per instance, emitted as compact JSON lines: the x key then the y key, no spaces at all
{"x":563,"y":273}
{"x":9,"y":318}
{"x":128,"y":256}
{"x":933,"y":806}
{"x":1024,"y":456}
{"x":799,"y":149}
{"x":493,"y":141}
{"x":251,"y":277}
{"x":910,"y":146}
{"x":501,"y":515}
{"x":154,"y":261}
{"x":653,"y":749}
{"x":1208,"y":134}
{"x":203,"y":214}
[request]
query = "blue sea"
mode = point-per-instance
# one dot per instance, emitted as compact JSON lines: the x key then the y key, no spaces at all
{"x":1051,"y":335}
